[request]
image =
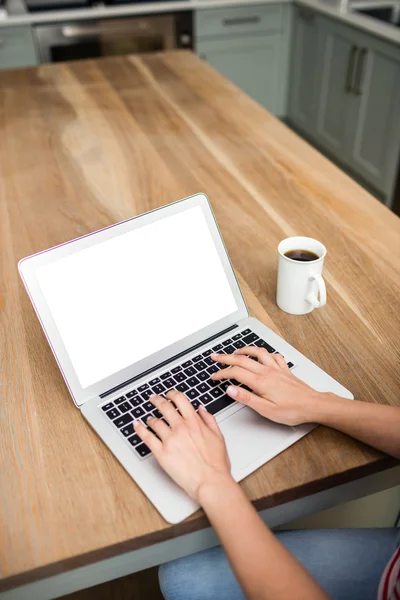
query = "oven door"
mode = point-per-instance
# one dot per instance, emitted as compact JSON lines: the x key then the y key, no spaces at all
{"x":108,"y":37}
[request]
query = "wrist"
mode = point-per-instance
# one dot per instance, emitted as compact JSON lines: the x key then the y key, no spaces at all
{"x":322,"y":406}
{"x":215,"y":487}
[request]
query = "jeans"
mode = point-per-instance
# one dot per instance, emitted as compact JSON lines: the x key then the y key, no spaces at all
{"x":347,"y":563}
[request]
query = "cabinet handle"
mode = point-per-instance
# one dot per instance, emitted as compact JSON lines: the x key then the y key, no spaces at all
{"x":350,"y":69}
{"x":241,"y":21}
{"x":360,"y":70}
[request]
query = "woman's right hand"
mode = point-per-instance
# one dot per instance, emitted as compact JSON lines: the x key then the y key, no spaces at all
{"x":277,"y":393}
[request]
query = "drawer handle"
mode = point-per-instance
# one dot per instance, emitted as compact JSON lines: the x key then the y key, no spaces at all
{"x":360,"y":71}
{"x":350,"y":69}
{"x":241,"y":21}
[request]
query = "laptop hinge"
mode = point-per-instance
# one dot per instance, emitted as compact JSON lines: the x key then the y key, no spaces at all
{"x":166,"y":362}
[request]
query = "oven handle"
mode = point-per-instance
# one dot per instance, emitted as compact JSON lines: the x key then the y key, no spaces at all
{"x":82,"y":31}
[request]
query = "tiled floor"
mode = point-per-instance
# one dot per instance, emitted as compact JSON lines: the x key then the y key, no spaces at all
{"x":139,"y":586}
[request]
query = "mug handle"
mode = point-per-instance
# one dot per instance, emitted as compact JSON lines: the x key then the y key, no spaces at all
{"x":312,"y":297}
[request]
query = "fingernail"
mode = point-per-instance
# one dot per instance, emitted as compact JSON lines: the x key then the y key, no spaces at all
{"x":202,"y":408}
{"x":135,"y":422}
{"x":152,"y":396}
{"x":232,"y":391}
{"x":214,"y":355}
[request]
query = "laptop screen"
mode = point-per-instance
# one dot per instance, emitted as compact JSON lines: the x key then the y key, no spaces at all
{"x":130,"y":296}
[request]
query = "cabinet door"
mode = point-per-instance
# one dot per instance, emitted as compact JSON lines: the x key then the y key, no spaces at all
{"x":251,"y":63}
{"x":375,"y":119}
{"x":303,"y":90}
{"x":17,"y":48}
{"x":339,"y":53}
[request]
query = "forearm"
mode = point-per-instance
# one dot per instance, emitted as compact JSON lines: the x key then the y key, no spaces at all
{"x":263,"y":567}
{"x":373,"y":424}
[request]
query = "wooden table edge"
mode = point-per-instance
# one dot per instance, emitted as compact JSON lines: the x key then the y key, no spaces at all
{"x":192,"y":525}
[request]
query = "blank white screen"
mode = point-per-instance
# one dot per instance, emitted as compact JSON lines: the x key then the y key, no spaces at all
{"x":124,"y":299}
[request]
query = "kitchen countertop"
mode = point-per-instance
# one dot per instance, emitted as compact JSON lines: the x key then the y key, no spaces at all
{"x":89,"y":143}
{"x":337,"y":9}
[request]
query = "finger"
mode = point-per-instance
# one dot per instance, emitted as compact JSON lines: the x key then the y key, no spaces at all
{"x":240,"y":361}
{"x":182,"y":403}
{"x":262,"y":354}
{"x":242,"y":375}
{"x":167,"y":409}
{"x":250,"y":399}
{"x":148,"y":437}
{"x":210,"y":421}
{"x":280,"y":361}
{"x":160,"y":428}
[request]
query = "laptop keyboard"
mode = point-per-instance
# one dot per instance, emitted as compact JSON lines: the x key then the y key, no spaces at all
{"x":192,"y":377}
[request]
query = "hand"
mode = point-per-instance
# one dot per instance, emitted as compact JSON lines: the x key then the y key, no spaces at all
{"x":277,"y":394}
{"x":191,"y":449}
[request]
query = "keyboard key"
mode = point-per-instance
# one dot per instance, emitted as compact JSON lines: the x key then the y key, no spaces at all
{"x":236,"y":337}
{"x":246,"y":331}
{"x":145,"y":418}
{"x":203,"y":375}
{"x":125,"y":407}
{"x":203,"y":387}
{"x":159,"y":388}
{"x":134,"y":440}
{"x":192,"y":381}
{"x":113,"y":413}
{"x":200,"y":365}
{"x":229,"y":349}
{"x":187,"y":364}
{"x":180,"y":377}
{"x":165,"y":375}
{"x":137,"y":401}
{"x":227,"y":342}
{"x":192,"y":394}
{"x":182,"y":387}
{"x":263,"y":344}
{"x":290,"y":365}
{"x":132,"y":394}
{"x":128,"y":430}
{"x":217,"y":347}
{"x":138,"y":412}
{"x":213,"y":383}
{"x":252,"y":337}
{"x":239,"y":344}
{"x":107,"y":406}
{"x":207,"y":352}
{"x":212,"y":370}
{"x":218,"y":405}
{"x":169,"y":383}
{"x":224,"y":385}
{"x":157,"y":414}
{"x":146,"y":394}
{"x":197,"y":358}
{"x":209,"y":361}
{"x":206,"y":398}
{"x":148,"y":406}
{"x":155,"y":381}
{"x":124,"y":420}
{"x":190,"y":371}
{"x":143,"y":450}
{"x":143,"y":387}
{"x":176,"y":370}
{"x":195,"y":404}
{"x":216,"y":392}
{"x":119,"y":400}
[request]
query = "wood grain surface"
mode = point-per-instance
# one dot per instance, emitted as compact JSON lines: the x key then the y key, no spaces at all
{"x":87,"y":144}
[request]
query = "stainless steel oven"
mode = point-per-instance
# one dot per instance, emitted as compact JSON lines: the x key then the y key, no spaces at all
{"x":114,"y":36}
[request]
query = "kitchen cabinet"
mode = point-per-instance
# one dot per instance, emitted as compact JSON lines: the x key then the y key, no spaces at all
{"x":250,"y":46}
{"x":345,"y":95}
{"x":17,"y":47}
{"x":302,"y":101}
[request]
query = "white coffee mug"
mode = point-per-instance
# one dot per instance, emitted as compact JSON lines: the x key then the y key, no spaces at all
{"x":300,"y":282}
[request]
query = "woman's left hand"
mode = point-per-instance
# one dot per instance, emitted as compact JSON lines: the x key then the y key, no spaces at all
{"x":191,"y":448}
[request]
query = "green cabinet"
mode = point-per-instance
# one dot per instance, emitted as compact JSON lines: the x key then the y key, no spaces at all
{"x":17,"y":47}
{"x":249,"y":45}
{"x":345,"y":95}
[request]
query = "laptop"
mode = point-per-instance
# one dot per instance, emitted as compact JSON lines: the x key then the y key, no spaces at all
{"x":136,"y":309}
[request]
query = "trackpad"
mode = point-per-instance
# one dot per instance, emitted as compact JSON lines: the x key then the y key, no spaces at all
{"x":249,"y":437}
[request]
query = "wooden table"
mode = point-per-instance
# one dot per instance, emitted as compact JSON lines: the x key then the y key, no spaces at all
{"x":90,"y":143}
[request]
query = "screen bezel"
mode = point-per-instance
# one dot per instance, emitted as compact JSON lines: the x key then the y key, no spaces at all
{"x":28,"y":268}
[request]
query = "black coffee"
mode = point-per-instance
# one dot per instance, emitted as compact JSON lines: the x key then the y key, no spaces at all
{"x":302,"y":255}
